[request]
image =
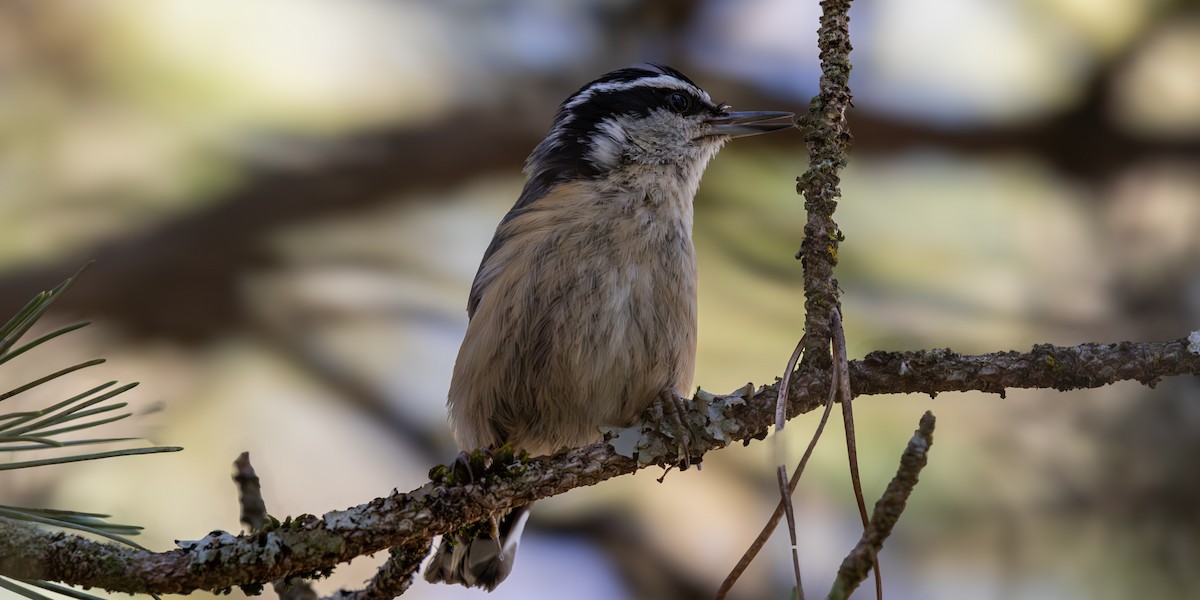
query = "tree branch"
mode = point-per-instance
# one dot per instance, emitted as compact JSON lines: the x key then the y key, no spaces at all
{"x":828,"y":141}
{"x":254,"y":516}
{"x":308,"y":544}
{"x":394,"y":577}
{"x":887,"y":512}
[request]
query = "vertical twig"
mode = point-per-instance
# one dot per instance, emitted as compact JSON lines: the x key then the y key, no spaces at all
{"x":887,"y":512}
{"x":393,"y":578}
{"x":773,"y":522}
{"x":253,"y":513}
{"x":254,"y":516}
{"x":828,"y":140}
{"x":785,"y":491}
{"x":842,"y":385}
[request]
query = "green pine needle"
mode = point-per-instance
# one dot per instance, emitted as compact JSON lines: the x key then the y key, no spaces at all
{"x":70,"y":592}
{"x":51,"y":377}
{"x":29,"y":438}
{"x":6,"y":584}
{"x":27,"y":416}
{"x":16,"y":327}
{"x":62,"y":589}
{"x":45,"y":338}
{"x":39,"y":430}
{"x":70,"y":517}
{"x":89,"y":424}
{"x":82,"y":457}
{"x":68,"y":412}
{"x":49,"y":587}
{"x":106,"y":530}
{"x":39,"y":444}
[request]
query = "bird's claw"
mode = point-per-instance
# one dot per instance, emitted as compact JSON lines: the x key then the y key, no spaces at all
{"x":467,"y":467}
{"x":671,"y":411}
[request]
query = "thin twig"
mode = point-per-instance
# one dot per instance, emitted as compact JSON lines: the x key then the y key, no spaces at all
{"x":785,"y":491}
{"x":784,"y":383}
{"x":887,"y":512}
{"x":773,"y":522}
{"x":790,"y":512}
{"x":393,"y":577}
{"x":253,"y":507}
{"x":842,"y":383}
{"x":254,"y":516}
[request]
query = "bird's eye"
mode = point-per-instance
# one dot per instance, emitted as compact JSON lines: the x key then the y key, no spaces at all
{"x":679,"y":102}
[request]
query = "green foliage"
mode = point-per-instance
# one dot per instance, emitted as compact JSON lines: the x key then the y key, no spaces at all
{"x":41,"y":429}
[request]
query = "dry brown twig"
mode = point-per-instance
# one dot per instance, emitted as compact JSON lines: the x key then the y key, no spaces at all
{"x":254,"y":516}
{"x":391,"y":580}
{"x":785,"y":490}
{"x":861,"y":559}
{"x":842,"y":383}
{"x":785,"y":501}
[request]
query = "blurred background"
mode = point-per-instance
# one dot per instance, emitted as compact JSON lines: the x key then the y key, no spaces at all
{"x":287,"y":200}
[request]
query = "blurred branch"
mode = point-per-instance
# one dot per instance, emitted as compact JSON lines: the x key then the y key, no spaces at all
{"x":1085,"y":141}
{"x":367,"y":399}
{"x":309,"y":544}
{"x":190,"y":266}
{"x":253,"y":512}
{"x":887,"y":512}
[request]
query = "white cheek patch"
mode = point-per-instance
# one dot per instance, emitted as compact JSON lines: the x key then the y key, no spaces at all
{"x":606,"y":144}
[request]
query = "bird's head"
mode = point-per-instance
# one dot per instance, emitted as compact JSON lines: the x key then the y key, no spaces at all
{"x":641,"y":117}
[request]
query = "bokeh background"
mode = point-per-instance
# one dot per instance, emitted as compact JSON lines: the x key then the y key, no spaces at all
{"x":287,"y":200}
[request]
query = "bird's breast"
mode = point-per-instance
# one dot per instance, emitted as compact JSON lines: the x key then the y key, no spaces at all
{"x":587,"y":313}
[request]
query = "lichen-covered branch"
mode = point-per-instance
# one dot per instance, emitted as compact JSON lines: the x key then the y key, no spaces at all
{"x":1045,"y":366}
{"x":828,"y":141}
{"x":304,"y":545}
{"x":394,"y":577}
{"x":309,"y":544}
{"x":254,"y":516}
{"x":861,"y":559}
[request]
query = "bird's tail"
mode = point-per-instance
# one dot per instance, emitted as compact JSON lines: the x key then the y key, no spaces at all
{"x":482,"y":562}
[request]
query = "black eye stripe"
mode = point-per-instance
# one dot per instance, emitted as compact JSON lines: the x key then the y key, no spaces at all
{"x":637,"y":101}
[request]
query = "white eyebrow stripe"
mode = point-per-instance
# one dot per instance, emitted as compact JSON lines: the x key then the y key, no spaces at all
{"x":659,"y":81}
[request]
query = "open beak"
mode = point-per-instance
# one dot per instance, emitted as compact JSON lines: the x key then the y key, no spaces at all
{"x":742,"y":124}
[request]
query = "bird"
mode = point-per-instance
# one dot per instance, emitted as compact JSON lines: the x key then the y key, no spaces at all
{"x":583,"y":313}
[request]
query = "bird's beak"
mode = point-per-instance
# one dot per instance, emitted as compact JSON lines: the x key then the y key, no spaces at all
{"x":742,"y":124}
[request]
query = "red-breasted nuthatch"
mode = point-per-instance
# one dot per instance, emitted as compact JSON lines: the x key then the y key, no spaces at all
{"x":583,"y":312}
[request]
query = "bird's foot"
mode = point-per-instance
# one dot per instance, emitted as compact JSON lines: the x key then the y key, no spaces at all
{"x":467,"y":467}
{"x":670,"y":412}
